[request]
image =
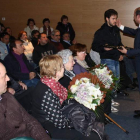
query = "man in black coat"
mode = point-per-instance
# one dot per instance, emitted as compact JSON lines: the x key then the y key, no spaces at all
{"x":17,"y":65}
{"x":136,"y":51}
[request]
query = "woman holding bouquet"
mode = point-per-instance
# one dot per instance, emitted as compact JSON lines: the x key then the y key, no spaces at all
{"x":49,"y":95}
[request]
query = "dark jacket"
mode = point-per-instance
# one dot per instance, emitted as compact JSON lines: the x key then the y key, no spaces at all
{"x":16,"y":122}
{"x":65,"y":45}
{"x":107,"y":35}
{"x":77,"y":68}
{"x":66,"y":28}
{"x":46,"y":106}
{"x":58,"y":46}
{"x":42,"y":50}
{"x":13,"y":67}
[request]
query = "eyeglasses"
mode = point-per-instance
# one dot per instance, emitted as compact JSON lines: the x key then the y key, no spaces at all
{"x":84,"y":52}
{"x":57,"y":35}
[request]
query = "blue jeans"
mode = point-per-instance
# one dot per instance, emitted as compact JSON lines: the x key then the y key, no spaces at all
{"x":31,"y":83}
{"x":113,"y":65}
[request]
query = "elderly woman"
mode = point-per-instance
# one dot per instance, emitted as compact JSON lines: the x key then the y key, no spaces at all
{"x":49,"y":94}
{"x":79,"y":53}
{"x":68,"y":62}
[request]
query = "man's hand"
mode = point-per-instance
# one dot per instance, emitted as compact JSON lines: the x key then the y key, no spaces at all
{"x":121,"y":58}
{"x":24,"y":87}
{"x":32,"y":75}
{"x":118,"y":23}
{"x":123,"y":50}
{"x":107,"y":49}
{"x":11,"y":90}
{"x":74,"y":41}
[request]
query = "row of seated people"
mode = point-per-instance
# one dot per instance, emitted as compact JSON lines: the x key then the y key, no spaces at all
{"x":48,"y":112}
{"x":63,"y":26}
{"x":45,"y":46}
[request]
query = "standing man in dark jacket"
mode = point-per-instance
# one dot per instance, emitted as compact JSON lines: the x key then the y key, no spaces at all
{"x":136,"y":51}
{"x":109,"y":35}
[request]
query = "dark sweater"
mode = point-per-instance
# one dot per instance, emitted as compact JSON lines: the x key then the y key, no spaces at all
{"x":107,"y":35}
{"x":42,"y":50}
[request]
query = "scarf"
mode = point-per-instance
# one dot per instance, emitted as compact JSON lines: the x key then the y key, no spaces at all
{"x":70,"y":74}
{"x":56,"y":87}
{"x":82,"y":63}
{"x":47,"y":30}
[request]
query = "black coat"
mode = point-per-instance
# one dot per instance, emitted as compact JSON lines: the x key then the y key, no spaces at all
{"x":107,"y":35}
{"x":65,"y":45}
{"x":13,"y":67}
{"x":66,"y":28}
{"x":136,"y":51}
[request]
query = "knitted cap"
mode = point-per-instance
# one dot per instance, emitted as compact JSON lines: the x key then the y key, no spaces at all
{"x":65,"y":55}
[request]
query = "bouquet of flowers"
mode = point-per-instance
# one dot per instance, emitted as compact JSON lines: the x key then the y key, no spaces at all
{"x":85,"y":88}
{"x":105,"y":75}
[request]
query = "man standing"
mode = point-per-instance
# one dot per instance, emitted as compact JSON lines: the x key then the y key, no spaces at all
{"x":14,"y":120}
{"x":136,"y":51}
{"x":44,"y":48}
{"x":109,"y":35}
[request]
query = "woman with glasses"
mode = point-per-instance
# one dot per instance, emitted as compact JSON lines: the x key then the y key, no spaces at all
{"x":79,"y":54}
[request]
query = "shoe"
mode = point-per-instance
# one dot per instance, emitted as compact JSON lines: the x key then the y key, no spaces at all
{"x":132,"y":87}
{"x":114,"y":103}
{"x":113,"y":109}
{"x":137,"y":116}
{"x":137,"y":111}
{"x":123,"y":93}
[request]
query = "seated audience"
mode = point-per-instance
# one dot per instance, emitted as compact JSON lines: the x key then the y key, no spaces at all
{"x":34,"y":38}
{"x":1,"y":27}
{"x":9,"y":31}
{"x":4,"y":45}
{"x":66,"y":40}
{"x":28,"y":47}
{"x":49,"y":94}
{"x":56,"y":40}
{"x":64,"y":26}
{"x":22,"y":93}
{"x":17,"y":65}
{"x":79,"y":53}
{"x":15,"y":121}
{"x":44,"y":48}
{"x":68,"y":63}
{"x":30,"y":27}
{"x":46,"y":28}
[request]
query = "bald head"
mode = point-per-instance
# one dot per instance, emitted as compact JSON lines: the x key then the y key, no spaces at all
{"x":3,"y":79}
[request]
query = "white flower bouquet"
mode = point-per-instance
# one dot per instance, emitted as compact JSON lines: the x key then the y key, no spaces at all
{"x":85,"y":88}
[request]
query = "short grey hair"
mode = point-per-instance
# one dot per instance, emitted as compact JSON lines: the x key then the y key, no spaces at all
{"x":54,"y":31}
{"x":65,"y":55}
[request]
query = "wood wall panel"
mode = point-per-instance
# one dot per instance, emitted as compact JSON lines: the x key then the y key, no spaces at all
{"x":86,"y":16}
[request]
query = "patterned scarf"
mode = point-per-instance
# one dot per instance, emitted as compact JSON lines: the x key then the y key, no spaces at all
{"x":56,"y":87}
{"x":47,"y":30}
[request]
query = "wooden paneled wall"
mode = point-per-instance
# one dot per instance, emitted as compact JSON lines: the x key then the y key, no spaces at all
{"x":86,"y":16}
